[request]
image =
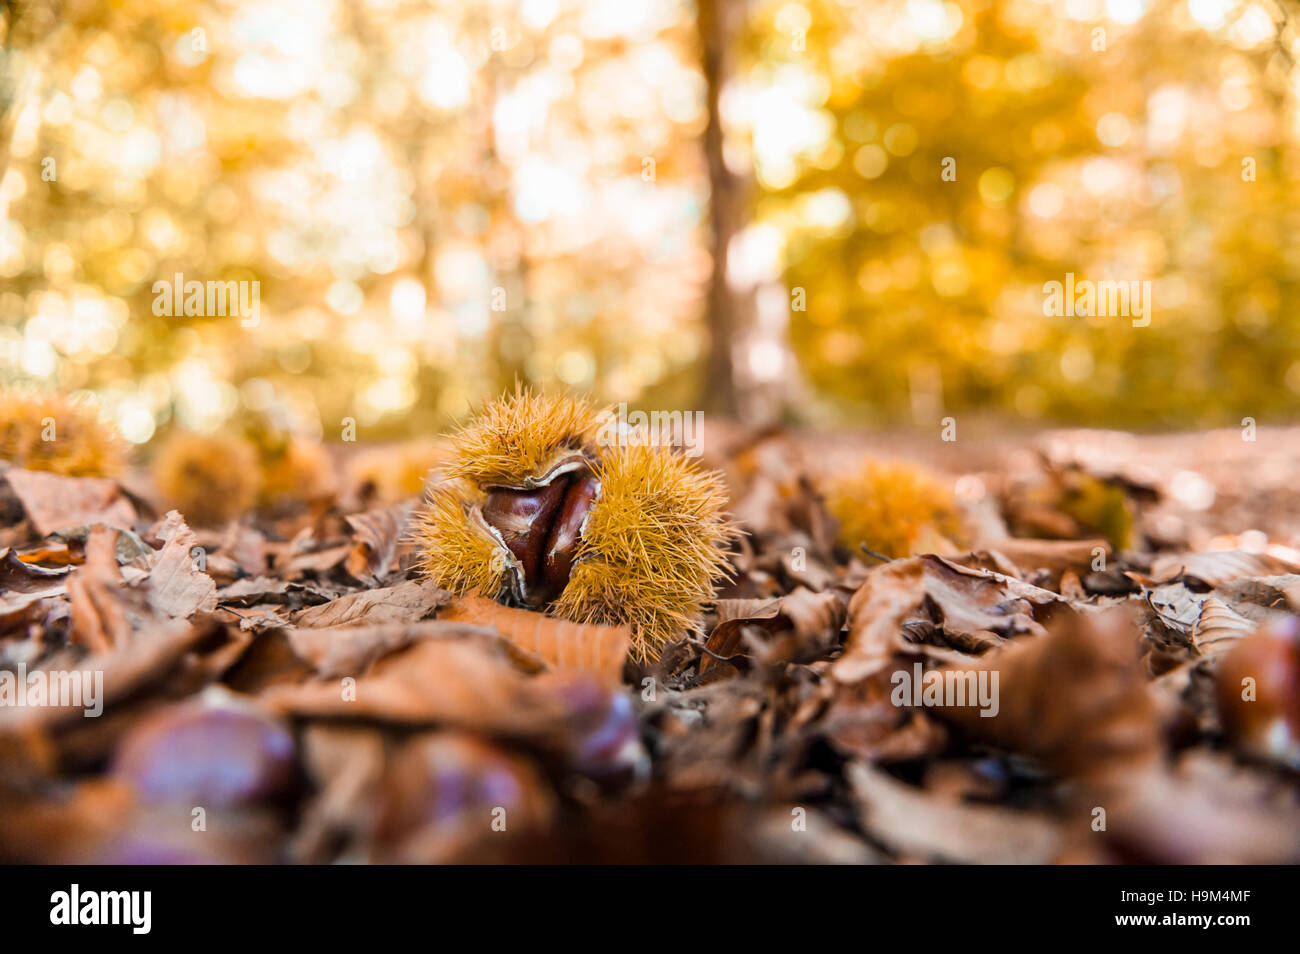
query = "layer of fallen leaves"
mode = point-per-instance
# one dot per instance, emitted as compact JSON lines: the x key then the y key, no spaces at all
{"x":288,"y":690}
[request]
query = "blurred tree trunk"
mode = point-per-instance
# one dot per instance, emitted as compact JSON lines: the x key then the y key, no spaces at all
{"x":717,"y":22}
{"x":33,"y":21}
{"x":509,"y":340}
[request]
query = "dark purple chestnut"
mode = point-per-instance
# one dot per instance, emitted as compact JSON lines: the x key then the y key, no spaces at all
{"x":208,"y":753}
{"x":445,"y":794}
{"x":604,"y":741}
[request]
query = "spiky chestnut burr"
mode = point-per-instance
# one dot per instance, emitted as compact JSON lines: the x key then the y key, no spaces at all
{"x":295,"y":471}
{"x":390,"y":475}
{"x":209,"y":478}
{"x":893,"y":507}
{"x":535,"y":512}
{"x":59,"y":434}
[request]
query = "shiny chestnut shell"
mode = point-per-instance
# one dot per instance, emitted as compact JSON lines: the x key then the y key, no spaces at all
{"x":542,"y":528}
{"x":1267,"y":725}
{"x":210,"y":755}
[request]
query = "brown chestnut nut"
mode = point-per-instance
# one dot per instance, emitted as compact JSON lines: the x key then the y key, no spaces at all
{"x":156,"y":836}
{"x":541,"y":527}
{"x":448,"y":796}
{"x":548,"y":503}
{"x":604,"y":743}
{"x":208,"y":752}
{"x":1257,"y":685}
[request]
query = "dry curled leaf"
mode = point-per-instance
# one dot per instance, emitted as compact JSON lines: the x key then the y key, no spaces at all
{"x":560,"y":643}
{"x":462,"y":682}
{"x":918,"y":825}
{"x":1219,"y":567}
{"x":262,"y":590}
{"x":177,"y":588}
{"x":17,"y":612}
{"x":1218,"y":627}
{"x":1265,"y":592}
{"x":967,"y":609}
{"x":807,"y":623}
{"x":1076,"y":698}
{"x":1055,"y":557}
{"x":53,"y":502}
{"x":863,"y":722}
{"x":19,"y":576}
{"x":405,"y":602}
{"x":376,"y":539}
{"x":348,"y":650}
{"x":105,"y":613}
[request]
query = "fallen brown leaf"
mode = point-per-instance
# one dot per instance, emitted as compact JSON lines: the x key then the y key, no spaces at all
{"x":1218,"y":627}
{"x":18,"y":576}
{"x":917,"y":825}
{"x":376,"y":536}
{"x":1075,"y":698}
{"x":405,"y":602}
{"x":176,"y":588}
{"x":970,"y":610}
{"x":1219,"y":567}
{"x":261,"y":590}
{"x":53,"y":502}
{"x":1056,"y":557}
{"x":457,"y":682}
{"x":348,"y":650}
{"x":810,"y":622}
{"x":105,"y":613}
{"x":560,"y":643}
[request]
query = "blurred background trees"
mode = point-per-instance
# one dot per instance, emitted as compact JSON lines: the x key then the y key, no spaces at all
{"x":724,"y":204}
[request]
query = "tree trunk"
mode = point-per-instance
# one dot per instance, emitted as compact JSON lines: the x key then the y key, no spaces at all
{"x":716,"y":22}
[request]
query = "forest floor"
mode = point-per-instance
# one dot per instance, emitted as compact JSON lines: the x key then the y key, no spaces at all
{"x":1120,"y":618}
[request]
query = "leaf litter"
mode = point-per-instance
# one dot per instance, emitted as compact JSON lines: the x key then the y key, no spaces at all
{"x":292,"y":675}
